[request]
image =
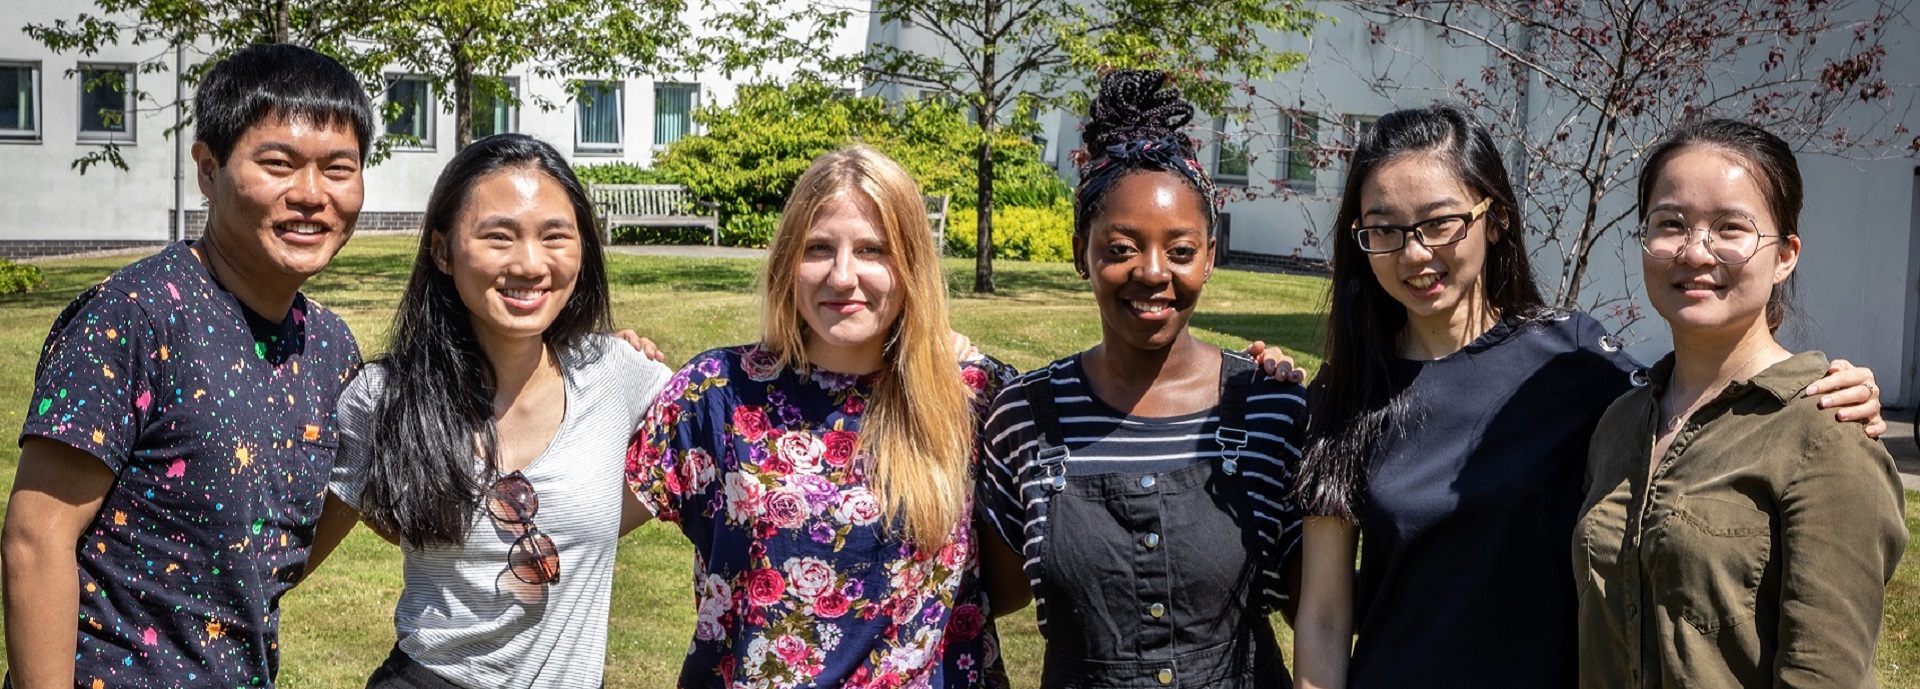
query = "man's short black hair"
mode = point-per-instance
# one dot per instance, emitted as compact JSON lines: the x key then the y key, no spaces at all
{"x":281,"y":81}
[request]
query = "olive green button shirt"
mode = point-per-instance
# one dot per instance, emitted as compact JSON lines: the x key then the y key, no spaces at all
{"x":1760,"y":556}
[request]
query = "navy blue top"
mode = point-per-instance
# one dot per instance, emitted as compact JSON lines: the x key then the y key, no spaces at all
{"x":1464,"y":577}
{"x":219,"y":425}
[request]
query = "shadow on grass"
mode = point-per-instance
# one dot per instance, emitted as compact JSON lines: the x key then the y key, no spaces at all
{"x":1294,"y":332}
{"x":1018,"y":280}
{"x":682,"y":275}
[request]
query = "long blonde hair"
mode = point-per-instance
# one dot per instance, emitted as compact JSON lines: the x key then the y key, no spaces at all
{"x":920,"y":446}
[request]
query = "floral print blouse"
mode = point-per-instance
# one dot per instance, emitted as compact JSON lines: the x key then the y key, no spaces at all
{"x":798,"y":581}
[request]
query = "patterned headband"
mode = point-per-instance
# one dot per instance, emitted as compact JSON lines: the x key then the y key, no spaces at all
{"x":1164,"y":152}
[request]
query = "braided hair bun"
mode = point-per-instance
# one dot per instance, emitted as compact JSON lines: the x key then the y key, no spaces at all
{"x":1135,"y":105}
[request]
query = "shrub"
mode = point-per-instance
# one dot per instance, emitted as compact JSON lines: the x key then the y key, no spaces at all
{"x":620,"y":173}
{"x":16,"y":278}
{"x":751,"y":152}
{"x":1023,"y":234}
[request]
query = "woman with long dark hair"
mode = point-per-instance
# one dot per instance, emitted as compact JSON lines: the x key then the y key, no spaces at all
{"x":1732,"y":534}
{"x":823,"y":472}
{"x":1139,"y":491}
{"x":1450,"y":425}
{"x":489,"y":441}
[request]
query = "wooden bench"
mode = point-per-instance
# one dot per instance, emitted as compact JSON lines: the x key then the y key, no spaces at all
{"x":937,"y":217}
{"x":651,"y":205}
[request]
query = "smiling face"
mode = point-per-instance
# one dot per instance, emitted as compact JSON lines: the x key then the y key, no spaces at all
{"x":848,"y":293}
{"x":284,"y":201}
{"x":1433,"y":284}
{"x":1695,"y":293}
{"x":513,"y":252}
{"x":1148,"y":256}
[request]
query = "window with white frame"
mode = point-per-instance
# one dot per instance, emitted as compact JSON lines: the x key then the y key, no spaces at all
{"x":1230,"y":155}
{"x":494,"y":113}
{"x":106,"y":103}
{"x":597,"y":120}
{"x":410,"y":111}
{"x":1357,"y":128}
{"x":1302,"y":130}
{"x":673,"y":106}
{"x":19,"y":100}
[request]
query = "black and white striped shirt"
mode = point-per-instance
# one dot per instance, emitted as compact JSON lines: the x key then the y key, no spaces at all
{"x":1104,"y":440}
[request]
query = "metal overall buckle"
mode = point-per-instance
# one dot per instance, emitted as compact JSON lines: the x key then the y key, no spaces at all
{"x":1231,"y":440}
{"x":1052,"y":462}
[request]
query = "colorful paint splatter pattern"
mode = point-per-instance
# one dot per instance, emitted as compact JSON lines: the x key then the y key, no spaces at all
{"x":797,"y":581}
{"x":220,"y":426}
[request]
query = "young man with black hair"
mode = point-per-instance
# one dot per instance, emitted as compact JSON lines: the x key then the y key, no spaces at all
{"x":176,"y":449}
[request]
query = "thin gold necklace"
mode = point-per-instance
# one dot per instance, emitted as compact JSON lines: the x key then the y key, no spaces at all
{"x":1674,"y":422}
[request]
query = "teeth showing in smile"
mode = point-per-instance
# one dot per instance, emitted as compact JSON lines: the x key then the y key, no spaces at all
{"x":1423,"y":281}
{"x":523,"y":294}
{"x":1147,"y":306}
{"x":304,"y":228}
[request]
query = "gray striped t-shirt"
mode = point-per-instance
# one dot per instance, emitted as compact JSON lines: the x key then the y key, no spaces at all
{"x":462,"y":614}
{"x":1104,"y":440}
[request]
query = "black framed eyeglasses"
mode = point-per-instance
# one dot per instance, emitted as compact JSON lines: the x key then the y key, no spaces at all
{"x":533,"y":557}
{"x":1439,"y":230}
{"x":1731,"y":239}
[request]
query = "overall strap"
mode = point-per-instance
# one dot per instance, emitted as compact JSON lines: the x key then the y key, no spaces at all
{"x":1042,"y":478}
{"x":1236,"y":383}
{"x":1051,"y":456}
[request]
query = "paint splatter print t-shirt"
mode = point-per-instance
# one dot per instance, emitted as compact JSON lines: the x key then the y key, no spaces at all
{"x":797,"y":580}
{"x":220,"y":427}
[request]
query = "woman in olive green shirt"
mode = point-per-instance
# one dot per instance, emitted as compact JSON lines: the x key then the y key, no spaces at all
{"x":1761,"y":554}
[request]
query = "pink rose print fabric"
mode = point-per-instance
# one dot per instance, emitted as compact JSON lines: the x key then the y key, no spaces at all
{"x":797,"y":580}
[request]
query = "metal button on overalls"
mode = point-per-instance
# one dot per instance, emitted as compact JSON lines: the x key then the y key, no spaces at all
{"x":1203,"y":625}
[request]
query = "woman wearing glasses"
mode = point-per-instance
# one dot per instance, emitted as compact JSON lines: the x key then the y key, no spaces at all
{"x":488,"y":441}
{"x":823,"y":473}
{"x":1761,"y":554}
{"x":1450,"y":426}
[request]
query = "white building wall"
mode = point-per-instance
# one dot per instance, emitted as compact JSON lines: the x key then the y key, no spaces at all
{"x":1859,"y":281}
{"x":48,"y":201}
{"x":45,"y":197}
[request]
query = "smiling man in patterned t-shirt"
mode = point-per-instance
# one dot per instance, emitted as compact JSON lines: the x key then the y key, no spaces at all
{"x":177,"y":446}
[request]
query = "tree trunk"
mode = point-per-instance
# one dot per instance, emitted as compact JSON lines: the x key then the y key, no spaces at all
{"x":983,"y":205}
{"x":462,"y":98}
{"x":280,"y":21}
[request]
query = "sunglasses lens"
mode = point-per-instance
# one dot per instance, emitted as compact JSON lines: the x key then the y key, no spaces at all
{"x":534,"y":559}
{"x":512,"y":500}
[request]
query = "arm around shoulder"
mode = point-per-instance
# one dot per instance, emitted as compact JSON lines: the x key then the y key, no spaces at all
{"x":1844,"y":533}
{"x":57,"y":491}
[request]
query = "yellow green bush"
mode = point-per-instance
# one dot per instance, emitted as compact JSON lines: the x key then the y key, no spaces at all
{"x":16,"y":278}
{"x":1022,"y":234}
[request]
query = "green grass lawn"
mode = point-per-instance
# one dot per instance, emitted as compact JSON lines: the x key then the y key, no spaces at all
{"x":338,"y":625}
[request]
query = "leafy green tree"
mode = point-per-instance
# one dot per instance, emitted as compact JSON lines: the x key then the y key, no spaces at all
{"x":461,"y":46}
{"x":752,"y":151}
{"x":1005,"y":59}
{"x":209,"y":30}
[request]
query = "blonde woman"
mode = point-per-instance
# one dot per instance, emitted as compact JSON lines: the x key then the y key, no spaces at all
{"x":822,"y":473}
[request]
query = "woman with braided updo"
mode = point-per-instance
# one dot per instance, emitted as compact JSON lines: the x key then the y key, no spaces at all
{"x":1116,"y":480}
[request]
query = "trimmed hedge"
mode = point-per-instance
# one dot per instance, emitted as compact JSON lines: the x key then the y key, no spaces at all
{"x":1021,"y":234}
{"x":620,"y":173}
{"x":16,"y":278}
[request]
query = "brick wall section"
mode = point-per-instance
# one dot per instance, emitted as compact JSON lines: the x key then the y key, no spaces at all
{"x":1291,"y":264}
{"x":383,"y":221}
{"x":15,"y":249}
